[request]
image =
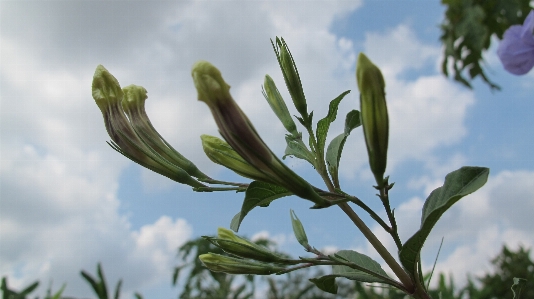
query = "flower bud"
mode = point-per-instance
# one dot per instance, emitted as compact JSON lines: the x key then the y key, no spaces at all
{"x":231,"y":265}
{"x":275,"y":100}
{"x":134,"y":106}
{"x":238,"y":131}
{"x":291,"y":76}
{"x":223,"y":154}
{"x":108,"y":96}
{"x":374,"y":115}
{"x":233,"y":244}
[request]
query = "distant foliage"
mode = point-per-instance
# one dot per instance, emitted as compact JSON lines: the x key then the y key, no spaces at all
{"x":467,"y":30}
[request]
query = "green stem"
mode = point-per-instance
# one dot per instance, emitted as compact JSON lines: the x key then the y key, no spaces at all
{"x":217,"y":182}
{"x":384,"y":197}
{"x":379,"y":247}
{"x":212,"y":189}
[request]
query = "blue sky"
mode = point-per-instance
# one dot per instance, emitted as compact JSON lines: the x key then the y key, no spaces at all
{"x":68,"y":201}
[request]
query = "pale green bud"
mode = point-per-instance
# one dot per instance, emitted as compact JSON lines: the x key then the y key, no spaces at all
{"x":240,"y":134}
{"x":275,"y":100}
{"x":231,"y":265}
{"x":223,"y":154}
{"x":233,"y":244}
{"x":134,"y":106}
{"x":209,"y":83}
{"x":291,"y":76}
{"x":374,"y":115}
{"x":109,"y":96}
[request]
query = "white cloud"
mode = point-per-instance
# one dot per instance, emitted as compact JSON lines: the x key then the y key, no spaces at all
{"x":60,"y":212}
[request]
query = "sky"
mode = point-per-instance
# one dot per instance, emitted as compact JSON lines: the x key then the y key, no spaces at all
{"x":69,"y":201}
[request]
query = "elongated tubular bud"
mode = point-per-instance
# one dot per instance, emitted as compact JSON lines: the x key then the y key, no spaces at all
{"x":242,"y":247}
{"x":223,"y":154}
{"x":134,"y":106}
{"x":238,"y":131}
{"x":231,"y":265}
{"x":291,"y":76}
{"x":275,"y":100}
{"x":108,"y":96}
{"x":374,"y":115}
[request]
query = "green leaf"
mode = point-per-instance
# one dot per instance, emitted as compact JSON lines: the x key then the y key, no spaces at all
{"x":258,"y":194}
{"x":326,"y":283}
{"x":297,"y":148}
{"x":518,"y":285}
{"x":335,"y":148}
{"x":369,"y":270}
{"x":458,"y":184}
{"x":298,"y":230}
{"x":57,"y":295}
{"x":324,"y":124}
{"x":28,"y":290}
{"x":118,"y":289}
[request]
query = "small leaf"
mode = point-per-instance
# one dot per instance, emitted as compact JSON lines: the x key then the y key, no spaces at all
{"x":458,"y":184}
{"x":324,"y":124}
{"x":335,"y":148}
{"x":28,"y":289}
{"x":297,"y":148}
{"x":298,"y":230}
{"x":257,"y":194}
{"x":326,"y":283}
{"x":518,"y":285}
{"x":57,"y":295}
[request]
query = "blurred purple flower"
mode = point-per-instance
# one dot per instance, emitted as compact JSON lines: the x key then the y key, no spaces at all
{"x":516,"y":49}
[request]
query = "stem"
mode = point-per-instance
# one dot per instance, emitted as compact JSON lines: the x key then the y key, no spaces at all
{"x":384,"y":253}
{"x":384,"y":196}
{"x":217,"y":182}
{"x":212,"y":189}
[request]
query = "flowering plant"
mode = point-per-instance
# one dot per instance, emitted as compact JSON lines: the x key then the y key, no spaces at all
{"x":244,"y":152}
{"x":516,"y":49}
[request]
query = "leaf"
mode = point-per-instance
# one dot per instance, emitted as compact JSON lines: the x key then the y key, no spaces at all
{"x":335,"y":148}
{"x":28,"y":289}
{"x":326,"y":283}
{"x":518,"y":285}
{"x":297,"y":148}
{"x":370,"y":270}
{"x":57,"y":295}
{"x":458,"y":184}
{"x":324,"y":124}
{"x":298,"y":230}
{"x":257,"y":194}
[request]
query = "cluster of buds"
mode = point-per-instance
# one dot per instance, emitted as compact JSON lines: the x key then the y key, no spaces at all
{"x":132,"y":133}
{"x":374,"y":115}
{"x":250,"y":258}
{"x":240,"y":134}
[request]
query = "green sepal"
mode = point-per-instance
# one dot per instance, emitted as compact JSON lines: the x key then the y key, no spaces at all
{"x":335,"y":148}
{"x":258,"y":194}
{"x":298,"y":230}
{"x":458,"y":184}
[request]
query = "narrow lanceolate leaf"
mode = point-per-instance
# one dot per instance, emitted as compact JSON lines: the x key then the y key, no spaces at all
{"x":518,"y":285}
{"x":362,"y":268}
{"x":258,"y":194}
{"x":458,"y":184}
{"x":297,"y":148}
{"x":335,"y":148}
{"x":324,"y":124}
{"x":298,"y":230}
{"x":326,"y":283}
